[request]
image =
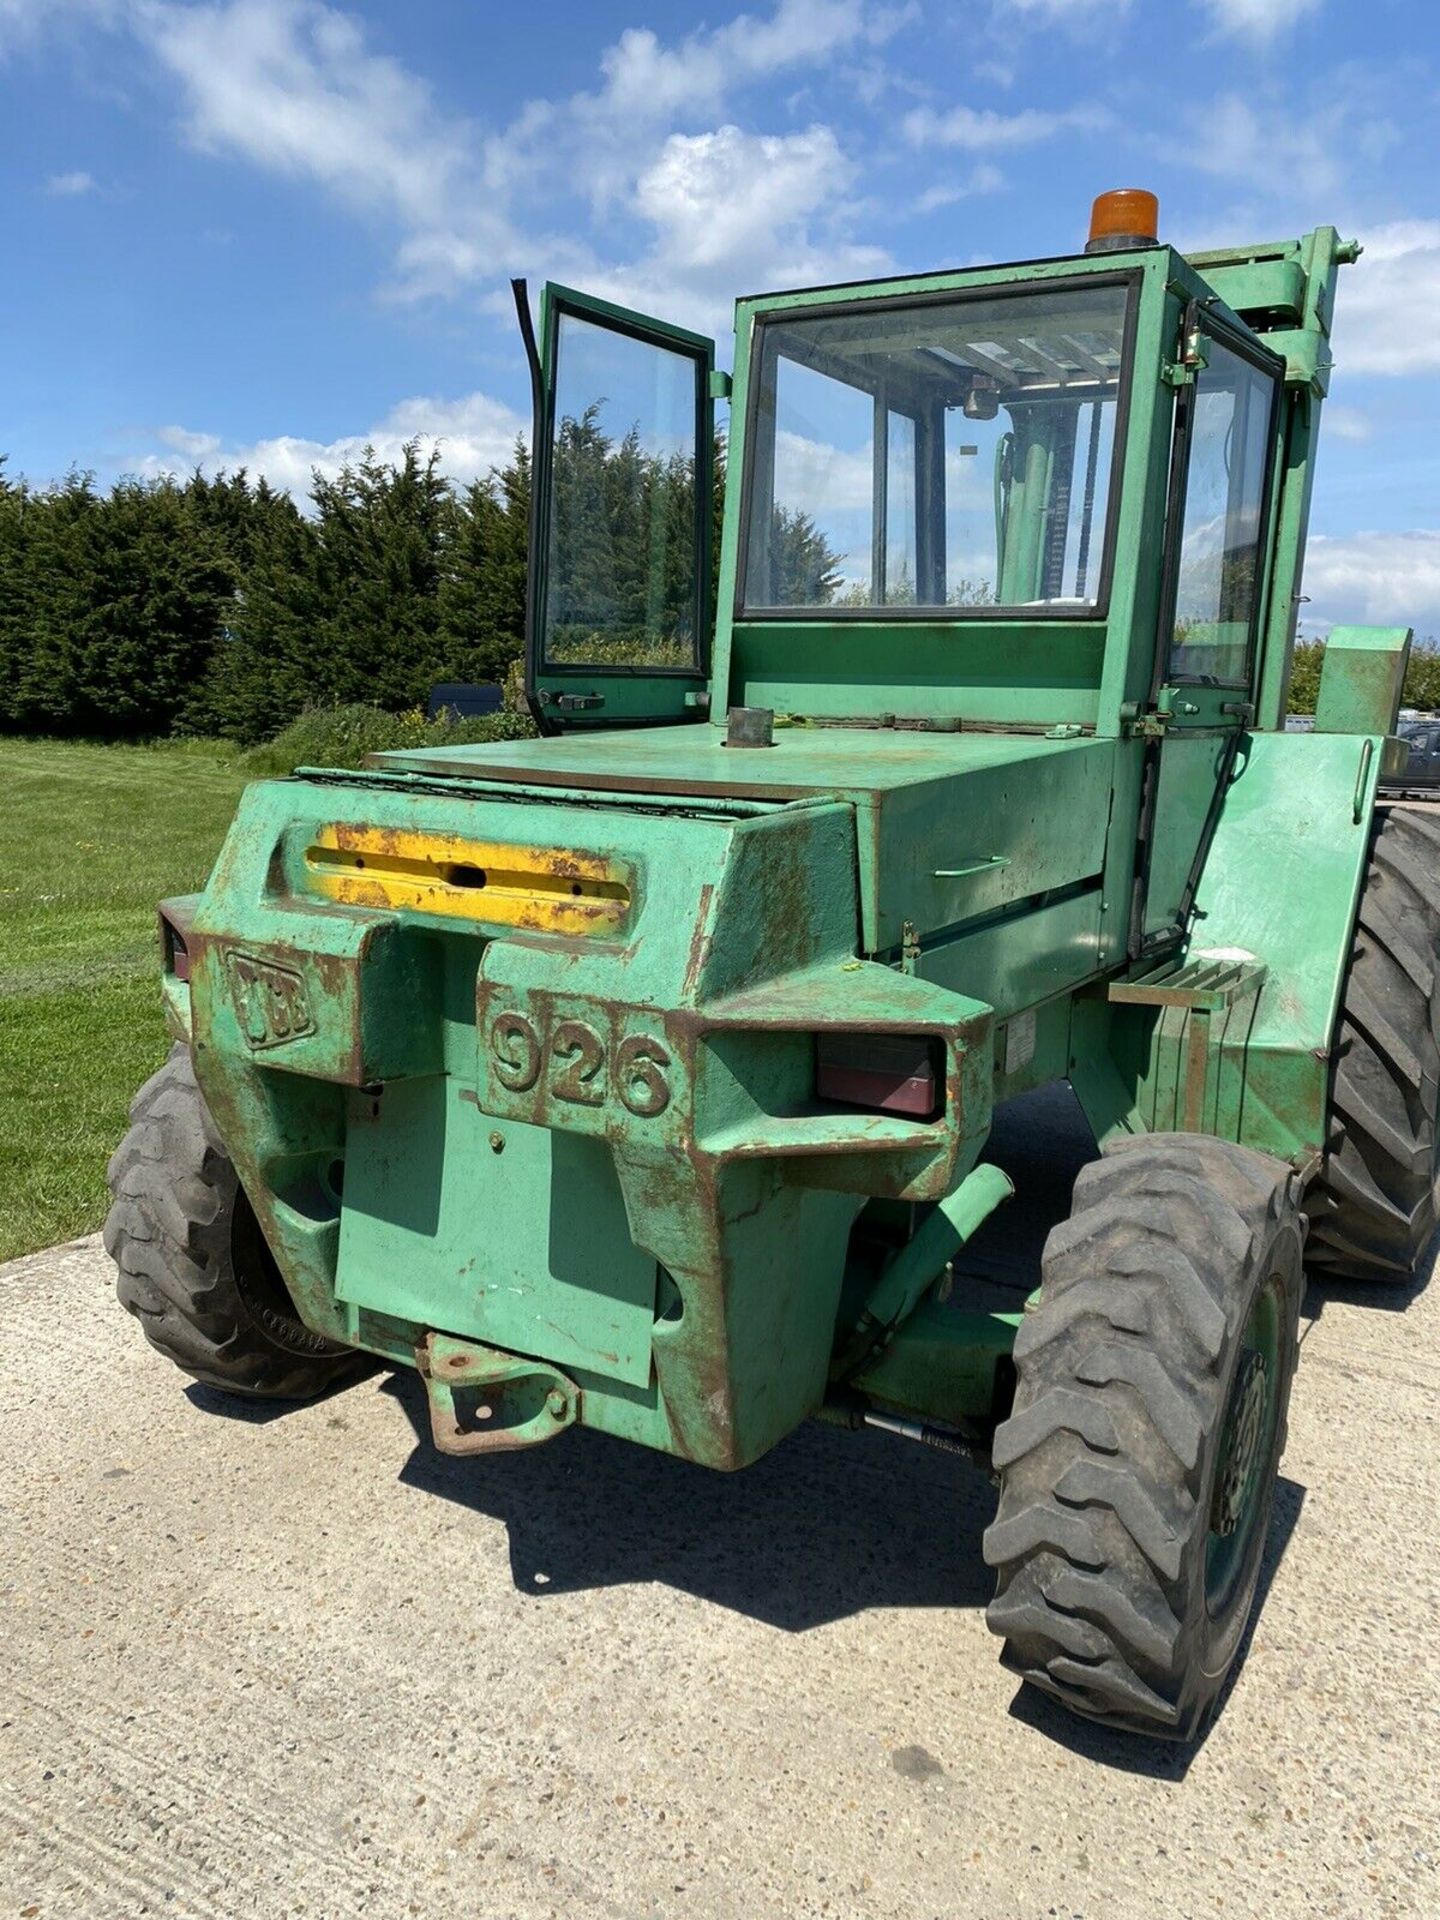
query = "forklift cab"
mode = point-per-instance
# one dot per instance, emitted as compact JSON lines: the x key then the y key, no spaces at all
{"x":963,"y":495}
{"x":1035,"y":498}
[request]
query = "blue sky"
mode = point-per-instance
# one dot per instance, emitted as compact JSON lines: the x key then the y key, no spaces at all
{"x":267,"y":231}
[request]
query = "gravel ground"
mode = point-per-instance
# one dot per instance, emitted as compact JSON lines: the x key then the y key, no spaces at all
{"x":295,"y":1663}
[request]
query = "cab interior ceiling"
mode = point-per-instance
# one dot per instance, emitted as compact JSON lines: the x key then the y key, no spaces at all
{"x":1023,"y":367}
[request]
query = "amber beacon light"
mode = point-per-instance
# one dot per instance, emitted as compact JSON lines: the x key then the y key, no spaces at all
{"x":1128,"y":217}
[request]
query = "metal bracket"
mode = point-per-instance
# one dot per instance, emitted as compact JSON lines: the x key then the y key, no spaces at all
{"x":510,"y":1401}
{"x":1196,"y":1000}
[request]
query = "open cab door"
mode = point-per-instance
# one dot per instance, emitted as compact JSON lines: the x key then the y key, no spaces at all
{"x":1222,"y":489}
{"x":619,"y":605}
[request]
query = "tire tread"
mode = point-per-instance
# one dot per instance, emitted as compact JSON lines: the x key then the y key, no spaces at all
{"x":1374,"y":1208}
{"x":1123,"y":1371}
{"x":173,"y":1196}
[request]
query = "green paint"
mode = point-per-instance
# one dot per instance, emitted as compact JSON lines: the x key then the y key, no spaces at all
{"x":600,"y":1159}
{"x":1362,"y":679}
{"x":941,"y":1366}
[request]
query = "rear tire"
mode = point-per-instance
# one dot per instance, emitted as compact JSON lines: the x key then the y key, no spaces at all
{"x":1373,"y":1209}
{"x":193,"y":1266}
{"x":1138,"y":1465}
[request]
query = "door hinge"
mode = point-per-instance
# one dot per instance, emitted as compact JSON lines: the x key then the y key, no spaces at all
{"x":1136,"y":725}
{"x":719,"y":385}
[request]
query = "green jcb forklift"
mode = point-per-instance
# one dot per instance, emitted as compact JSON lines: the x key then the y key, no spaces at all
{"x":639,"y":1076}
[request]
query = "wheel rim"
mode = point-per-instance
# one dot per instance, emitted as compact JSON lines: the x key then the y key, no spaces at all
{"x":1247,"y":1443}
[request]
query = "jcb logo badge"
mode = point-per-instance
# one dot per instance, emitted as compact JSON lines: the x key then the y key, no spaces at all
{"x":270,"y":1000}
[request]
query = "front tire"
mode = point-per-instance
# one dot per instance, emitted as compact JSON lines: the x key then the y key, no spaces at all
{"x":192,"y":1263}
{"x":1138,"y":1465}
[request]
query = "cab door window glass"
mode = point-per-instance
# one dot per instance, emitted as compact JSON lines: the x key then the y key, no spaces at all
{"x":622,"y":560}
{"x":1218,"y":576}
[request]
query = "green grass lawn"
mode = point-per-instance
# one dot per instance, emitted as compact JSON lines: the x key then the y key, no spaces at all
{"x":90,"y":839}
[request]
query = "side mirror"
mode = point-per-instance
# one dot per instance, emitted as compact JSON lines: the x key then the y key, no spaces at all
{"x":983,"y":400}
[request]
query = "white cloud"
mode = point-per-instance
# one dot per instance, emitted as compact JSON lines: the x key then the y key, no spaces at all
{"x":194,"y":446}
{"x":1346,"y":423}
{"x":735,"y":212}
{"x":292,"y":87}
{"x":727,"y":197}
{"x":22,"y":21}
{"x":1257,"y":20}
{"x":983,"y":178}
{"x":600,"y":141}
{"x":646,"y":80}
{"x":982,"y":129}
{"x":1392,"y":579}
{"x":1236,"y":139}
{"x":473,"y":434}
{"x":812,"y":475}
{"x":67,"y":186}
{"x":1382,"y":308}
{"x":1065,"y":9}
{"x":1287,"y":147}
{"x":295,"y":87}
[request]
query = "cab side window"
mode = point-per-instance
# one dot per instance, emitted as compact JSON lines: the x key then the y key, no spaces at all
{"x":1228,"y":438}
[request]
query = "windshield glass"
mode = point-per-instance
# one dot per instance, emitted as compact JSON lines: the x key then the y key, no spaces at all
{"x":948,"y":453}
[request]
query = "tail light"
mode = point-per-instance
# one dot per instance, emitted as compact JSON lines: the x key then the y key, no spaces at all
{"x":882,"y":1072}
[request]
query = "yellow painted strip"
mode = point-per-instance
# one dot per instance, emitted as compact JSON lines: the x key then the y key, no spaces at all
{"x":543,"y":889}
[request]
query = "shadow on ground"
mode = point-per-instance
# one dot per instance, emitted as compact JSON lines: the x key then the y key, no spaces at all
{"x":259,"y":1413}
{"x":1384,"y":1296}
{"x":828,"y":1524}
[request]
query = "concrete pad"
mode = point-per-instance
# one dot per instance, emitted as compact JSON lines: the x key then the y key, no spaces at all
{"x":274,"y":1663}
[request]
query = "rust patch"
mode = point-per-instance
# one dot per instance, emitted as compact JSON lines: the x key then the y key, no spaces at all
{"x":455,"y":877}
{"x":700,"y":942}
